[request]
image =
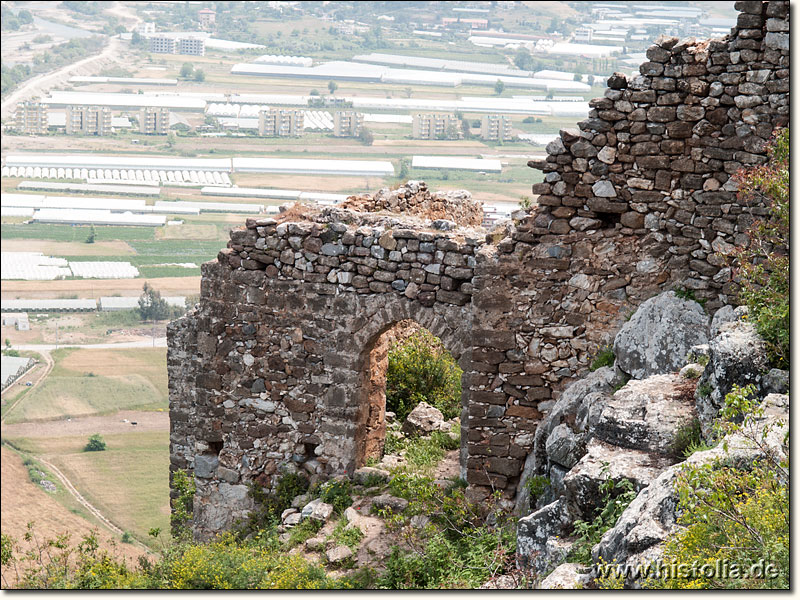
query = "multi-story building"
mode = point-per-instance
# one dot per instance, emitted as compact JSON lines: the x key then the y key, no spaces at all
{"x":435,"y":127}
{"x":154,"y":120}
{"x":280,"y":122}
{"x":31,"y":117}
{"x":194,"y":46}
{"x":208,"y":18}
{"x":146,"y":28}
{"x":496,"y":127}
{"x":347,"y":123}
{"x":163,"y":44}
{"x":583,"y":34}
{"x":85,"y":120}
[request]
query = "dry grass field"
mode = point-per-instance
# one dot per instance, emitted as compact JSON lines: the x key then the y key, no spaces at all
{"x":168,"y":286}
{"x":90,"y":382}
{"x":53,"y":248}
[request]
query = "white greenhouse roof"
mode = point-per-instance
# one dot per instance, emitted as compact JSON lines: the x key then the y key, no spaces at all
{"x":12,"y":367}
{"x":104,"y":270}
{"x":96,"y":217}
{"x":272,"y":59}
{"x":46,"y":305}
{"x":99,"y":161}
{"x":69,"y":202}
{"x":109,"y":303}
{"x":123,"y":100}
{"x":125,"y":190}
{"x":15,"y":211}
{"x":439,"y":64}
{"x":123,"y":80}
{"x":251,"y":192}
{"x":223,"y":207}
{"x":377,"y":168}
{"x":463,"y":163}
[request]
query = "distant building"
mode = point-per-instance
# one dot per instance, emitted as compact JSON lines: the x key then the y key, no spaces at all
{"x":583,"y":34}
{"x":280,"y":122}
{"x":145,"y":28}
{"x":473,"y":23}
{"x":85,"y":120}
{"x":435,"y":127}
{"x":496,"y":128}
{"x":154,"y":120}
{"x":163,"y":44}
{"x":18,"y":320}
{"x":170,"y":44}
{"x":31,"y":117}
{"x":347,"y":123}
{"x":193,"y":46}
{"x":208,"y":18}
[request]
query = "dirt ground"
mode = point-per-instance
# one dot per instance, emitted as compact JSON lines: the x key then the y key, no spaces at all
{"x":107,"y":424}
{"x":21,"y":498}
{"x":168,"y":286}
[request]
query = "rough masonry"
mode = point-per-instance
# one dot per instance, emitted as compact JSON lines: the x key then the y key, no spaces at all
{"x":272,"y":370}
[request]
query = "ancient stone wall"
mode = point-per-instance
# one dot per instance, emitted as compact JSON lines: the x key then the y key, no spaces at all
{"x":273,"y":369}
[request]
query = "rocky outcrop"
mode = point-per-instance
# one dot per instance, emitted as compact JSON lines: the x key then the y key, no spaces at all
{"x":659,"y":334}
{"x":652,"y":517}
{"x":566,"y":576}
{"x":414,"y":198}
{"x":737,"y":356}
{"x":644,"y":415}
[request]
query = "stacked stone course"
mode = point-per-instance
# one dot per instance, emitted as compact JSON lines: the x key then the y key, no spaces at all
{"x":271,"y":371}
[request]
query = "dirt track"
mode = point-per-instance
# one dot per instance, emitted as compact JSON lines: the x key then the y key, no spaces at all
{"x":107,"y":424}
{"x":168,"y":286}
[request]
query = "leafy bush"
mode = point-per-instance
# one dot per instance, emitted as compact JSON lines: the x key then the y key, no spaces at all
{"x":421,"y":369}
{"x":604,"y":358}
{"x":615,"y":498}
{"x":182,"y":505}
{"x":537,"y":485}
{"x":127,"y":538}
{"x":265,"y":516}
{"x":687,"y":294}
{"x":763,"y":266}
{"x":687,"y":436}
{"x":336,"y":492}
{"x":95,"y":444}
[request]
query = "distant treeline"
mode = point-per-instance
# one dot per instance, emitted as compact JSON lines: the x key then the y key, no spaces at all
{"x":55,"y":57}
{"x":11,"y":21}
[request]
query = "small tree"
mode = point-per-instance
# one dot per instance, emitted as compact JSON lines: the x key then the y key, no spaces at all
{"x":499,"y":87}
{"x":199,"y":75}
{"x":95,"y":444}
{"x":366,"y":136}
{"x":151,"y":305}
{"x":332,"y":86}
{"x":92,"y":235}
{"x":186,"y":70}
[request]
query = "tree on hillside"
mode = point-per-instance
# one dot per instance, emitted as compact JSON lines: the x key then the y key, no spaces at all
{"x":95,"y":444}
{"x":187,"y":69}
{"x":332,"y":86}
{"x":366,"y":136}
{"x":152,"y":307}
{"x":499,"y":87}
{"x":199,"y":75}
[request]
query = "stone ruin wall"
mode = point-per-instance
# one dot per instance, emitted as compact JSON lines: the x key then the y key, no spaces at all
{"x":273,"y":367}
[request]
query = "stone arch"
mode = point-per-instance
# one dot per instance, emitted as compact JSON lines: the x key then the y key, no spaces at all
{"x":347,"y":402}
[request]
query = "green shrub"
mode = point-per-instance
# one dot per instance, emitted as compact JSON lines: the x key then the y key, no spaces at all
{"x":604,"y":358}
{"x":536,"y":485}
{"x":687,"y":294}
{"x":687,"y":436}
{"x":182,"y":505}
{"x":127,"y":538}
{"x":95,"y":444}
{"x":336,"y":492}
{"x":269,"y":506}
{"x":615,"y":498}
{"x":763,"y":265}
{"x":421,"y":369}
{"x":346,"y":537}
{"x":303,"y":531}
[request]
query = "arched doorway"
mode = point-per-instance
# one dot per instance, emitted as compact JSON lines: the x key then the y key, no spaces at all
{"x":398,"y":340}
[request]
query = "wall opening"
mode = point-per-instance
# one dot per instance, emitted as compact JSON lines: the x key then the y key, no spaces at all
{"x":419,"y":368}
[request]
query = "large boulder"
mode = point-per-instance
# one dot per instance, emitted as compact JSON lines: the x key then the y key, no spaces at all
{"x":637,"y":537}
{"x":566,"y":576}
{"x":540,"y":543}
{"x":578,"y":398}
{"x":659,"y":334}
{"x":645,"y":415}
{"x":603,"y":462}
{"x":738,"y":356}
{"x":423,"y":420}
{"x":565,"y":447}
{"x":726,"y":314}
